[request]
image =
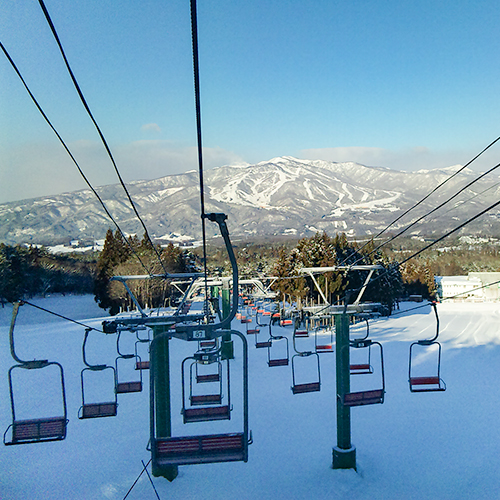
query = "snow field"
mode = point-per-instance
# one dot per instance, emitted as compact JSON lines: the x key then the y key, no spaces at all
{"x":414,"y":446}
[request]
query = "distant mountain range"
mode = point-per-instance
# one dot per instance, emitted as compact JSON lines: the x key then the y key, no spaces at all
{"x":279,"y":197}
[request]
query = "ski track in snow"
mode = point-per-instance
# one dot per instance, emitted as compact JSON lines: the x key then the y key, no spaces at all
{"x":414,"y":446}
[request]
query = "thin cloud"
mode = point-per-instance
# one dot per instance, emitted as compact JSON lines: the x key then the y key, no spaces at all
{"x":151,"y":127}
{"x":409,"y":159}
{"x":41,"y":170}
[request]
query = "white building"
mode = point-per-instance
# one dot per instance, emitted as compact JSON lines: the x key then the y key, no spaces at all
{"x":474,"y":286}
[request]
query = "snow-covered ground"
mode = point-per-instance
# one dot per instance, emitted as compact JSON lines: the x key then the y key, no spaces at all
{"x":414,"y":446}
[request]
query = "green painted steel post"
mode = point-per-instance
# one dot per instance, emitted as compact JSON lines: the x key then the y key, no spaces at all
{"x":227,"y":343}
{"x":161,"y":365}
{"x":344,"y":454}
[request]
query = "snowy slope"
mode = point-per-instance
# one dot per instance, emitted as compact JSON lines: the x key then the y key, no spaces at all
{"x":414,"y":446}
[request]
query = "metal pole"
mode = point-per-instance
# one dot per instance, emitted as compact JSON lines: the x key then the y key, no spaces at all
{"x":344,"y":454}
{"x":163,"y":423}
{"x":227,"y":343}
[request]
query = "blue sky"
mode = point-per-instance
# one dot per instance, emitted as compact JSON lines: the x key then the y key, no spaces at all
{"x":405,"y":85}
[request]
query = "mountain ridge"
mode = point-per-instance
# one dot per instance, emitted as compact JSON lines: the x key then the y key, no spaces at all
{"x":281,"y":196}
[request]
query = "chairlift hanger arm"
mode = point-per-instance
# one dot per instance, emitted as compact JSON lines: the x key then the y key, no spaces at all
{"x":191,"y":331}
{"x":36,"y":363}
{"x":208,"y":331}
{"x":430,"y":341}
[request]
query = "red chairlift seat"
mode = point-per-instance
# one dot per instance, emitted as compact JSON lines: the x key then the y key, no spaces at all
{"x":364,"y":398}
{"x":208,"y":377}
{"x":96,"y":410}
{"x":206,"y":399}
{"x":201,"y":449}
{"x":360,"y":369}
{"x":142,"y":365}
{"x":324,"y":348}
{"x":206,"y":414}
{"x":301,"y":333}
{"x":302,"y":388}
{"x":278,"y":362}
{"x":427,"y":384}
{"x":263,"y":344}
{"x":126,"y":387}
{"x":37,"y":430}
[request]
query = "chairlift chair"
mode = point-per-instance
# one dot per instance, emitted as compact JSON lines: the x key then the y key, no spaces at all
{"x":433,"y":382}
{"x":206,"y":357}
{"x":259,"y":343}
{"x":323,"y":348}
{"x":35,"y":430}
{"x":274,"y":341}
{"x":362,"y":343}
{"x":196,"y":411}
{"x":99,"y":409}
{"x":141,"y":364}
{"x":130,"y":386}
{"x":208,"y":448}
{"x":372,"y":396}
{"x":309,"y":386}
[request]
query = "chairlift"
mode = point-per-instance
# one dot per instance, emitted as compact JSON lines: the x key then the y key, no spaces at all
{"x":197,"y":412}
{"x":209,"y":448}
{"x":35,"y":430}
{"x":372,"y":396}
{"x":141,"y":364}
{"x":130,"y":386}
{"x":309,"y":386}
{"x":323,"y":347}
{"x":261,"y":344}
{"x":362,"y":368}
{"x":273,"y":341}
{"x":429,"y":383}
{"x":100,"y":409}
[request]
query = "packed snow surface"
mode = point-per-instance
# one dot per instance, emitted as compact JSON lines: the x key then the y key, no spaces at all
{"x":414,"y":446}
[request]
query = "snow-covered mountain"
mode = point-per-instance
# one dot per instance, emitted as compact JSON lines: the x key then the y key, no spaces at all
{"x":282,"y":196}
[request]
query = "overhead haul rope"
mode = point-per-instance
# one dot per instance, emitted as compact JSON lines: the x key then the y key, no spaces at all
{"x":449,"y":233}
{"x":447,"y":298}
{"x":21,"y":302}
{"x":429,"y":213}
{"x":71,"y":156}
{"x":196,"y":71}
{"x":429,"y":194}
{"x":388,"y":271}
{"x":101,"y":135}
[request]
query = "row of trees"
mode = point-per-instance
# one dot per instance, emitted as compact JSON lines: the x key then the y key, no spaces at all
{"x":29,"y":271}
{"x":131,"y":258}
{"x":322,"y":250}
